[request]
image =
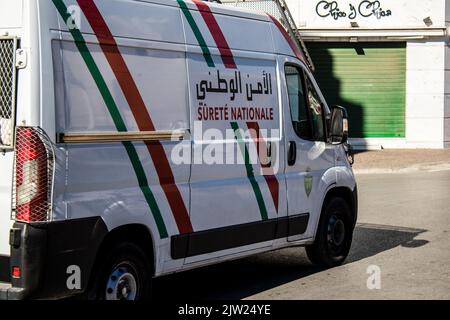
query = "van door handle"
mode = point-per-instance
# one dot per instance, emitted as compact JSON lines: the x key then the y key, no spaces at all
{"x":268,"y":159}
{"x":292,"y":156}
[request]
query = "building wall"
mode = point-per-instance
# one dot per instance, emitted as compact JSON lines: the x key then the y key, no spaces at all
{"x":404,"y":13}
{"x":428,"y":61}
{"x":447,"y":80}
{"x":425,"y":94}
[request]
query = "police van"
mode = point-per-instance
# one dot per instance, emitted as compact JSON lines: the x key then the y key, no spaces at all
{"x":141,"y":138}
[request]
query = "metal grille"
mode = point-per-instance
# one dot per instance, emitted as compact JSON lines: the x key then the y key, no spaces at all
{"x":7,"y":90}
{"x":33,"y":176}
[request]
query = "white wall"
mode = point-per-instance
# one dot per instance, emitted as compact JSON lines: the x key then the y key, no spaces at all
{"x":447,"y":81}
{"x":404,"y":13}
{"x":425,"y":99}
{"x":425,"y":94}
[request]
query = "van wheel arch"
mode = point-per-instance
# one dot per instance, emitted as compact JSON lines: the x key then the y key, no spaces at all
{"x":348,"y":195}
{"x":136,"y":234}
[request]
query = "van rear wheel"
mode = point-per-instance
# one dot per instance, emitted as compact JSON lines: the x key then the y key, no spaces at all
{"x":334,"y":235}
{"x":125,"y":274}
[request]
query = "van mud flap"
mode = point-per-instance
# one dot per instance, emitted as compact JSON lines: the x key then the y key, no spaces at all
{"x":45,"y":253}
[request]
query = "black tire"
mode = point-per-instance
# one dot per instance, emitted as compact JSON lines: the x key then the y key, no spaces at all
{"x":334,"y":235}
{"x":122,"y":260}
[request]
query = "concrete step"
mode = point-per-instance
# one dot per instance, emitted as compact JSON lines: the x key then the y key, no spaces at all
{"x":4,"y":286}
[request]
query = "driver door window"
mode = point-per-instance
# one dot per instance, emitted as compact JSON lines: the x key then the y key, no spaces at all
{"x":305,"y":105}
{"x":316,"y":111}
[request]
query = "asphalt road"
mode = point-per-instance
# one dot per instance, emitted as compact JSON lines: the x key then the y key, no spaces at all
{"x":404,"y":229}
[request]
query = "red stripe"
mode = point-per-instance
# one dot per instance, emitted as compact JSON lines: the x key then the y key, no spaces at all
{"x":216,"y":32}
{"x":271,"y":180}
{"x":288,"y":38}
{"x":140,"y":112}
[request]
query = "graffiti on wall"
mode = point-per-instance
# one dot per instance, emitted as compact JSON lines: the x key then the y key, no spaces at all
{"x":364,"y":9}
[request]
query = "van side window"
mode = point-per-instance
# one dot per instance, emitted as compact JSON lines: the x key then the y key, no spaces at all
{"x":297,"y":101}
{"x":315,"y":111}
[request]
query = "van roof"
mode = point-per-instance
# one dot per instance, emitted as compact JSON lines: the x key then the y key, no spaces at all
{"x":221,"y":9}
{"x":242,"y":29}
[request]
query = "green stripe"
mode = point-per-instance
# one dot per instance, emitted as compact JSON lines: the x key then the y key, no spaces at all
{"x":197,"y":33}
{"x":143,"y":184}
{"x":250,"y":173}
{"x":115,"y":114}
{"x":89,"y":60}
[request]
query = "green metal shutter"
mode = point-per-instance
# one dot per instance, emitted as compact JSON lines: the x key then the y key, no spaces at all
{"x":367,"y":78}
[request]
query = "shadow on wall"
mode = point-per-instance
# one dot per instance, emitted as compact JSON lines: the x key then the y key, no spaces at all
{"x":331,"y":86}
{"x":243,"y":278}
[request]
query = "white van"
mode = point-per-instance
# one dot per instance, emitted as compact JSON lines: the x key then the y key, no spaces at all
{"x":141,"y":138}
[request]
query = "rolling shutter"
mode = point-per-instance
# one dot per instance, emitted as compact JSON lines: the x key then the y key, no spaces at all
{"x":369,"y":79}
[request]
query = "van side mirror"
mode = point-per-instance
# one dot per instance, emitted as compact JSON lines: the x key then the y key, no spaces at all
{"x":338,"y":133}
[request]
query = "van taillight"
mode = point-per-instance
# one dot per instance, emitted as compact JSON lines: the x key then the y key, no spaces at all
{"x":34,"y":160}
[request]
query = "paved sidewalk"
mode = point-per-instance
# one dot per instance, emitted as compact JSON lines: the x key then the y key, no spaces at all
{"x":401,"y":161}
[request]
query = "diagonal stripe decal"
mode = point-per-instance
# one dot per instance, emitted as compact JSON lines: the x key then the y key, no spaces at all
{"x":217,"y":34}
{"x":144,"y":186}
{"x":140,"y":112}
{"x":289,"y":40}
{"x":250,"y":173}
{"x":198,"y":35}
{"x":271,"y":179}
{"x":117,"y":119}
{"x":120,"y":69}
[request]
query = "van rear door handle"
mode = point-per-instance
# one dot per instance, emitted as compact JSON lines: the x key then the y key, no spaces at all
{"x":292,"y":155}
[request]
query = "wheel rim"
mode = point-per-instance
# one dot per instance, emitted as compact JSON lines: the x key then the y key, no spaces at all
{"x":336,"y":232}
{"x":122,"y":284}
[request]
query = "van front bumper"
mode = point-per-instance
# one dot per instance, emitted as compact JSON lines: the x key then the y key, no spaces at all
{"x":46,"y":254}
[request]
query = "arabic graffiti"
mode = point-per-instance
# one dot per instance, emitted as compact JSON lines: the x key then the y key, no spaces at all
{"x":365,"y":9}
{"x":234,"y":86}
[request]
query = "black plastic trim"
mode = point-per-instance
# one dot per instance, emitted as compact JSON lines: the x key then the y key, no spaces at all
{"x":203,"y":242}
{"x":5,"y":273}
{"x":45,"y":251}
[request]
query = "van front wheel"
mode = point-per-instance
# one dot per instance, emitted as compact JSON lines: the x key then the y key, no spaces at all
{"x":334,"y":235}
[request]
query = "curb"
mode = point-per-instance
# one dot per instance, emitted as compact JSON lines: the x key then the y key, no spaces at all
{"x":413,"y":169}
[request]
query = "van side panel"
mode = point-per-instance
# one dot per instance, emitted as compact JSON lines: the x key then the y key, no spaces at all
{"x":229,"y":189}
{"x":141,"y":20}
{"x":103,"y":179}
{"x":222,"y":178}
{"x":240,"y":33}
{"x":99,"y":89}
{"x":161,"y":85}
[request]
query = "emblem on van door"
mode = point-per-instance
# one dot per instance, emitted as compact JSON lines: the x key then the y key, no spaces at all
{"x":308,"y":185}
